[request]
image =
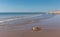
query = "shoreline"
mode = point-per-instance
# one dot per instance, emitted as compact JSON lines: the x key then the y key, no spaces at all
{"x":49,"y":28}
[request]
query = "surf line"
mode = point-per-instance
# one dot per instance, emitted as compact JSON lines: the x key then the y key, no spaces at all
{"x":19,"y":18}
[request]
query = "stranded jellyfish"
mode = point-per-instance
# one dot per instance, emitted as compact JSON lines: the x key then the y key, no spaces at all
{"x":36,"y":28}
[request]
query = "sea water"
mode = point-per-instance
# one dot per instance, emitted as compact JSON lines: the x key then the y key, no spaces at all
{"x":13,"y":18}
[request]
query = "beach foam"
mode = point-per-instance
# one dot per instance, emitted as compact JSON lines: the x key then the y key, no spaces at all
{"x":26,"y":18}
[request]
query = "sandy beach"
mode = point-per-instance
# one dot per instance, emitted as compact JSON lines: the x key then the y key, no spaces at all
{"x":49,"y":28}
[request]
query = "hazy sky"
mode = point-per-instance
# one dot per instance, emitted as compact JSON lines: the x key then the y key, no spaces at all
{"x":29,"y":5}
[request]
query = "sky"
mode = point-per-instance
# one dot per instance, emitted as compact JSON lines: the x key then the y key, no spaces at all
{"x":29,"y":5}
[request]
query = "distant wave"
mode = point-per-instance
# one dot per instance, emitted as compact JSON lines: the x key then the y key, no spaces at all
{"x":11,"y":19}
{"x":22,"y":19}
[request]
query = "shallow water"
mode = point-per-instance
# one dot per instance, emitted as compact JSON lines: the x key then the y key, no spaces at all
{"x":26,"y":18}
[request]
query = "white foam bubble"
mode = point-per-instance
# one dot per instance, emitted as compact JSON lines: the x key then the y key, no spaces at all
{"x":1,"y":21}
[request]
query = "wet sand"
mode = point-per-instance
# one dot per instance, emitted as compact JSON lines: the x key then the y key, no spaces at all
{"x":49,"y":28}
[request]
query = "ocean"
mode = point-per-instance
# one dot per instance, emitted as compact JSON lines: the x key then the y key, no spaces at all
{"x":14,"y":18}
{"x":21,"y":24}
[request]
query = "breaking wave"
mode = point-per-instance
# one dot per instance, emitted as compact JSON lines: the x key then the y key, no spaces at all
{"x":26,"y":18}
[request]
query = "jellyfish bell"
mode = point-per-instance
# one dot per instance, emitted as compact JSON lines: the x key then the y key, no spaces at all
{"x":36,"y":28}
